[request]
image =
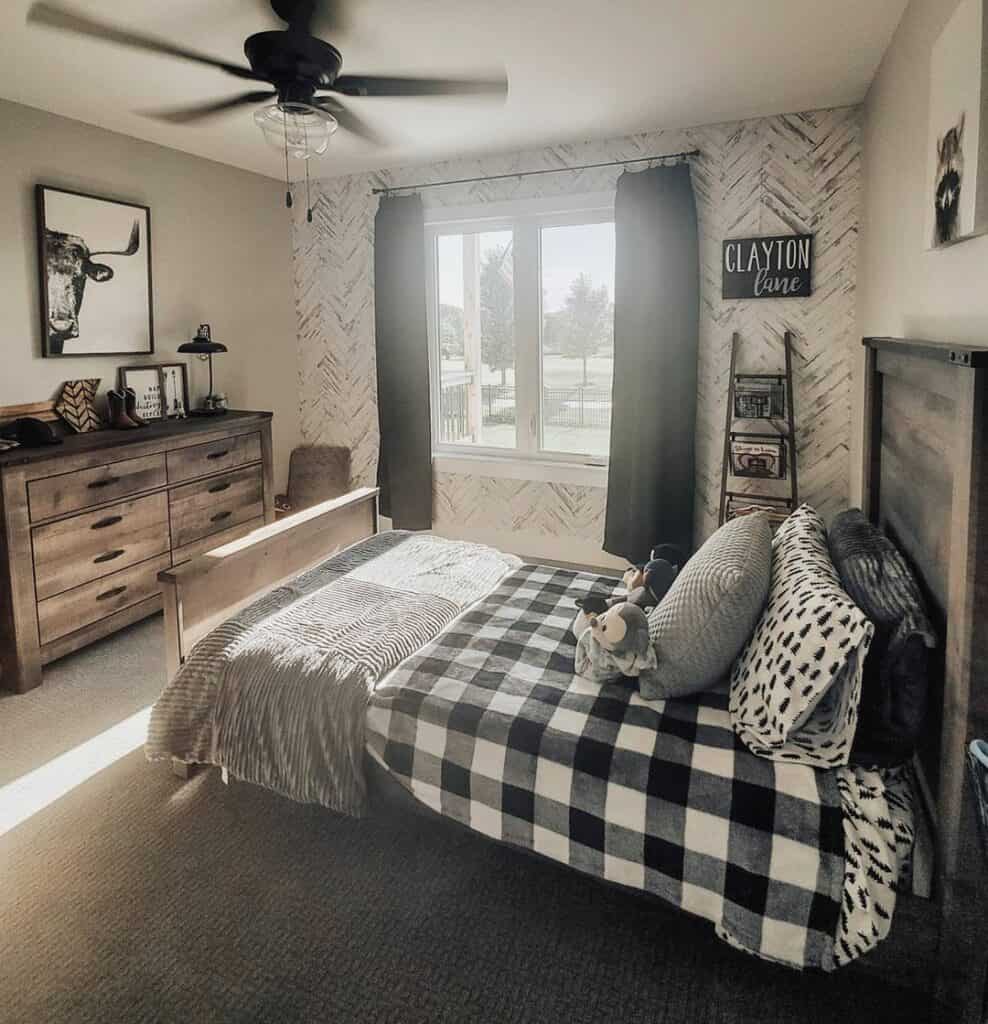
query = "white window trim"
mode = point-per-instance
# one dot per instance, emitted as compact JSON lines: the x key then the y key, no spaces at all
{"x":524,"y":218}
{"x":509,"y":466}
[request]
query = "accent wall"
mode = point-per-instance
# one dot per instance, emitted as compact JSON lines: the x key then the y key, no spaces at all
{"x":797,"y":173}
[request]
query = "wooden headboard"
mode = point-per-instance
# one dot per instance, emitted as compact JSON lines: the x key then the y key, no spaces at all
{"x":925,"y":483}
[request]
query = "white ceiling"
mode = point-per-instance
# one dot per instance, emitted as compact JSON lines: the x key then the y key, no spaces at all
{"x":578,"y":69}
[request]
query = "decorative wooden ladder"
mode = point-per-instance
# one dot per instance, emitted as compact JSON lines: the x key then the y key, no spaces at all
{"x":779,"y":506}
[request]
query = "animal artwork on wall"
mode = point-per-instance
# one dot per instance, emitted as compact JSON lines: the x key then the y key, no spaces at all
{"x":956,"y":205}
{"x":88,"y":306}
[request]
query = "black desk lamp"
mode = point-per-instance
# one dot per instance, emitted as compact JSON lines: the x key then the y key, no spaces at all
{"x":202,"y":345}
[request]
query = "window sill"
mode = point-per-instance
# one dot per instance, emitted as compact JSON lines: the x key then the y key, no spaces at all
{"x":508,"y":468}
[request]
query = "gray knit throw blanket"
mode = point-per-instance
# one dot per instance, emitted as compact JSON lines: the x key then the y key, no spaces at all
{"x":278,"y":693}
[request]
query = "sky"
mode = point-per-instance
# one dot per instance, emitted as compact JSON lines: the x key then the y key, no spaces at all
{"x":566,"y":252}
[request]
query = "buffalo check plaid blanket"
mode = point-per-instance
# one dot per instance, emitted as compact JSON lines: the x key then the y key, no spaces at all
{"x":487,"y":724}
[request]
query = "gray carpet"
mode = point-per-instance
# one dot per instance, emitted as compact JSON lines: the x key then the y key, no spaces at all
{"x":139,"y":898}
{"x":82,"y":696}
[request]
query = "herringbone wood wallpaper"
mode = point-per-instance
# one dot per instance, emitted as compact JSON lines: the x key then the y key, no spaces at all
{"x":797,"y":172}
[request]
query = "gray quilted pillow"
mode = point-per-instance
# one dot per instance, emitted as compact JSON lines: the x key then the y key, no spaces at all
{"x":709,"y":612}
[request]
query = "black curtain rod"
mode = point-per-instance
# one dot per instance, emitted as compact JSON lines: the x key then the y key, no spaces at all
{"x":546,"y":170}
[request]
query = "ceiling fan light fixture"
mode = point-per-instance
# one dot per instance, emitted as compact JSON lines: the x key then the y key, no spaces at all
{"x":297,"y":129}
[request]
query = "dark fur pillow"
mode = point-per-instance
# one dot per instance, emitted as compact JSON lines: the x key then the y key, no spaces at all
{"x":894,"y":687}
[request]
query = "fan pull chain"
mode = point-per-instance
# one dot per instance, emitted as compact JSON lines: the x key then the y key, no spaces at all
{"x":308,"y":197}
{"x":308,"y":200}
{"x":288,"y":180}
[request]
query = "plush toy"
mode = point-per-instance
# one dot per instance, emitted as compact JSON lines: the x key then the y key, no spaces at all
{"x":658,"y":575}
{"x":646,"y":585}
{"x":616,"y":644}
{"x":665,"y":560}
{"x":595,"y":603}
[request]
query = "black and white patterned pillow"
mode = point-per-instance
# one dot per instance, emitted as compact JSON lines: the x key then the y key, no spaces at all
{"x":796,"y":687}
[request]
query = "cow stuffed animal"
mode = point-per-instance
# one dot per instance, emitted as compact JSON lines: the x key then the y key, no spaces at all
{"x":616,"y":644}
{"x":656,"y":579}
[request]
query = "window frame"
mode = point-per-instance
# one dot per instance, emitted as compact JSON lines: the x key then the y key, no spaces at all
{"x":525,"y":218}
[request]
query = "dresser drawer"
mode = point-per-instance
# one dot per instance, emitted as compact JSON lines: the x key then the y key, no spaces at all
{"x":69,"y":492}
{"x":214,"y":540}
{"x":215,"y":457}
{"x":217,"y":503}
{"x":81,"y":607}
{"x":91,"y":545}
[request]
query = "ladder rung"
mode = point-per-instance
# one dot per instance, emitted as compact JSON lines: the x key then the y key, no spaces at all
{"x":754,"y":499}
{"x":765,"y":435}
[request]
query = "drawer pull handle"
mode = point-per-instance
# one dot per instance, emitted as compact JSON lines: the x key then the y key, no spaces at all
{"x":113,"y":592}
{"x":218,"y":455}
{"x":108,"y":556}
{"x":102,"y":524}
{"x":219,"y":488}
{"x":105,"y":482}
{"x":220,"y":516}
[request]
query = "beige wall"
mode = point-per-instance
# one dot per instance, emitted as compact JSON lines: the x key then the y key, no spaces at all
{"x":221,"y":252}
{"x":903,"y":289}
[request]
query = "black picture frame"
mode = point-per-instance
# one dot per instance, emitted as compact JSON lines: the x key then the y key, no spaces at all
{"x":68,"y":257}
{"x":170,"y":413}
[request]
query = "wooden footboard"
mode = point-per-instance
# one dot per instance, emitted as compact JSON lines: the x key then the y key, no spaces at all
{"x":207,"y":590}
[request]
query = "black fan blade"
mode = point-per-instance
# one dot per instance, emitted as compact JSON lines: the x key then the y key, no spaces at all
{"x":199,"y":111}
{"x":381,"y":85}
{"x":318,"y":17}
{"x":349,"y":120}
{"x":53,"y":16}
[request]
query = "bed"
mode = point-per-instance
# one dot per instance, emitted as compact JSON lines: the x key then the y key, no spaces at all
{"x":571,"y":772}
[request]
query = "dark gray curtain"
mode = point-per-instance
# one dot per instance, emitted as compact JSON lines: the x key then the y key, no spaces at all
{"x":656,"y":327}
{"x":404,"y":469}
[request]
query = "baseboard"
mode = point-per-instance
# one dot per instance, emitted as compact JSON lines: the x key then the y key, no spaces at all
{"x":597,"y":570}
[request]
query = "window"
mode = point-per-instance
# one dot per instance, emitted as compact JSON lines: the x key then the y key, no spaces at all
{"x":476,"y":338}
{"x":577,"y":343}
{"x":521,"y":328}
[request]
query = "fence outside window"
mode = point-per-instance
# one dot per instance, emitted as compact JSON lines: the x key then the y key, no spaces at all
{"x":574,"y":407}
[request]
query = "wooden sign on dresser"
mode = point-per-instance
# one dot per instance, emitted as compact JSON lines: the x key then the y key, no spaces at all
{"x":88,"y":525}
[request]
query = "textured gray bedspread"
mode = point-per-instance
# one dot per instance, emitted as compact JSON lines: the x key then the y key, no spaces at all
{"x":277,"y":694}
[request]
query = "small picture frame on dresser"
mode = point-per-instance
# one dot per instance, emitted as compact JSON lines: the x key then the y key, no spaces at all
{"x":174,"y":390}
{"x":148,"y":385}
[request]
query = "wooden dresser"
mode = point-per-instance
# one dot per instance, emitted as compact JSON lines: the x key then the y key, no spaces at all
{"x":87,"y":526}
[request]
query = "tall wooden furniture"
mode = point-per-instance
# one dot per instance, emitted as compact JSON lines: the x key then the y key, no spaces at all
{"x":771,"y":426}
{"x":86,"y":526}
{"x":925,"y":481}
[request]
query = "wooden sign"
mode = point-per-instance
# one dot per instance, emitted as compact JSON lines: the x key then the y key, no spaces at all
{"x":779,"y":267}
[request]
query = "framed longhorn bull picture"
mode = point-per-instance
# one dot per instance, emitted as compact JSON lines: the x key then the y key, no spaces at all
{"x":95,"y":259}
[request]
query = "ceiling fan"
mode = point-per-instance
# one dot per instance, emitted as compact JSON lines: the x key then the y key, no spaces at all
{"x":302,"y":72}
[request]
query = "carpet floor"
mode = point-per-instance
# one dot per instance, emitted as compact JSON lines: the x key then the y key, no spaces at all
{"x":137,"y":897}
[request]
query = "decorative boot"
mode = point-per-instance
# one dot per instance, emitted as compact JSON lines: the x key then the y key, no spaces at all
{"x":130,"y":407}
{"x":119,"y":420}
